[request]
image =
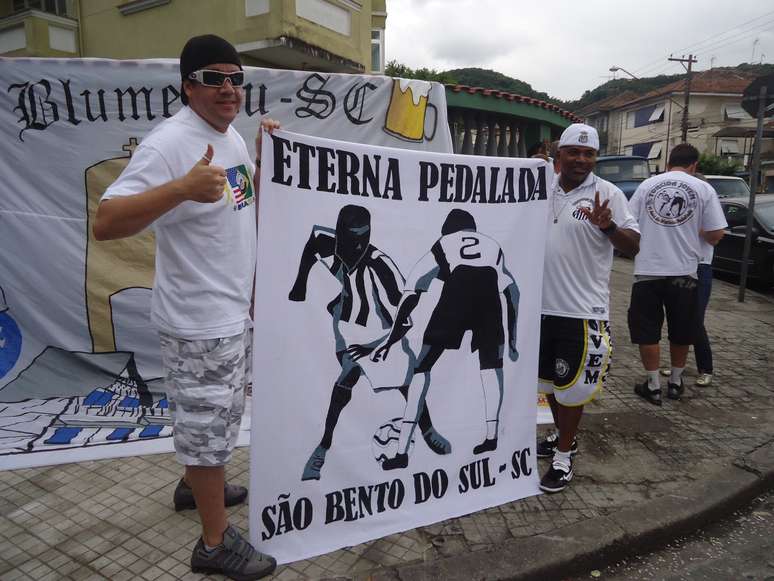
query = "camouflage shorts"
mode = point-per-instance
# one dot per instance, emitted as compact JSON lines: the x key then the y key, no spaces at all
{"x":205,"y":383}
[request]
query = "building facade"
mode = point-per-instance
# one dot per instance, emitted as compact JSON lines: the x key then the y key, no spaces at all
{"x":343,"y":36}
{"x":650,"y":125}
{"x":323,"y":35}
{"x":598,"y":116}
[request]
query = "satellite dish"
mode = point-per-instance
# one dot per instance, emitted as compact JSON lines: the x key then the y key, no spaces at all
{"x":752,"y":94}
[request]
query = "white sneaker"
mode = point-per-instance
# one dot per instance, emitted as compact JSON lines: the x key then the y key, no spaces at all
{"x":666,"y":371}
{"x":704,"y":379}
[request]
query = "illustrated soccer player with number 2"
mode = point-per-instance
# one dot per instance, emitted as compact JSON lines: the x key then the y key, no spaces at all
{"x":471,"y":267}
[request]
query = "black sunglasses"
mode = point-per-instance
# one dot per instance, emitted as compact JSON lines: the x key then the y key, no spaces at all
{"x":210,"y":78}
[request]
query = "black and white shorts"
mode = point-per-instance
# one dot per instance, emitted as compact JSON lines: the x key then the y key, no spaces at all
{"x":574,"y":358}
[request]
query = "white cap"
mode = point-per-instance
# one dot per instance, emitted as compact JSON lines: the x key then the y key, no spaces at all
{"x":580,"y":134}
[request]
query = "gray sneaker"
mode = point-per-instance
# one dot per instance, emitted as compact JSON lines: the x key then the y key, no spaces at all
{"x":234,"y":557}
{"x":436,"y":442}
{"x":314,"y":464}
{"x":704,"y":379}
{"x":184,"y":498}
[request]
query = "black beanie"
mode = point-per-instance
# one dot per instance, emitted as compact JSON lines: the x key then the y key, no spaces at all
{"x":201,"y":51}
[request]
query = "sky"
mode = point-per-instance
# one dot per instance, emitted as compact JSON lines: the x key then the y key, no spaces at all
{"x":565,"y":47}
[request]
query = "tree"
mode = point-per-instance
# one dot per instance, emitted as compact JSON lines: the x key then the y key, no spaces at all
{"x":710,"y":164}
{"x":396,"y":69}
{"x":477,"y":77}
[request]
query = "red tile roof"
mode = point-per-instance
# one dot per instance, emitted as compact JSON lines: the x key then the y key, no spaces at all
{"x":515,"y":98}
{"x":711,"y":81}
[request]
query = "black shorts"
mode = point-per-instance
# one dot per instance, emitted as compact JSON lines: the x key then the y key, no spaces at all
{"x":470,"y":301}
{"x":678,"y":296}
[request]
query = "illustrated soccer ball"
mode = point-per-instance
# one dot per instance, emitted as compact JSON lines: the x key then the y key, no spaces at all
{"x":384,"y":444}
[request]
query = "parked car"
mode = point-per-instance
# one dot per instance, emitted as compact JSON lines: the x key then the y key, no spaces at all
{"x":729,"y":186}
{"x":728,"y":252}
{"x":625,"y":171}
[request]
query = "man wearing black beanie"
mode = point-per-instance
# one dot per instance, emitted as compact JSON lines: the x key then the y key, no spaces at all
{"x":193,"y":181}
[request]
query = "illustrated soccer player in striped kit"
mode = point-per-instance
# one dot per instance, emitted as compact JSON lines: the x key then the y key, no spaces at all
{"x":472,"y":269}
{"x":363,"y":314}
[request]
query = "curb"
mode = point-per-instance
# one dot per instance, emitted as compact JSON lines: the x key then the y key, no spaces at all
{"x":600,"y":541}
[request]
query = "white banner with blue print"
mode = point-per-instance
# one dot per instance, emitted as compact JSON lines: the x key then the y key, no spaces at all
{"x":80,"y":369}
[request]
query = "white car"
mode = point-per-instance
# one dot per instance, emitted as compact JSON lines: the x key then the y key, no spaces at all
{"x":729,"y":186}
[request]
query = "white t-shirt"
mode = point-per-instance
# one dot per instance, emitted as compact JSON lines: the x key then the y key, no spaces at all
{"x":671,"y":208}
{"x":706,"y":252}
{"x":579,"y":256}
{"x":205,"y":253}
{"x":463,"y":248}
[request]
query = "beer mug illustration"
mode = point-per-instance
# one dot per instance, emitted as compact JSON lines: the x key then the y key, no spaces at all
{"x":407,"y":111}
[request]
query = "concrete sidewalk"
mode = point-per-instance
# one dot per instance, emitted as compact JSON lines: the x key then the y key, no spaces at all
{"x":643,"y":475}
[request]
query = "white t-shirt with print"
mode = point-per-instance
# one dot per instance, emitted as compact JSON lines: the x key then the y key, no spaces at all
{"x":671,"y":209}
{"x":464,"y":248}
{"x":579,"y":256}
{"x":205,"y":253}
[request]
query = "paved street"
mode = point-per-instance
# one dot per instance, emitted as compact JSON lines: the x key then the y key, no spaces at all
{"x":643,"y":474}
{"x":759,"y":289}
{"x":737,"y":547}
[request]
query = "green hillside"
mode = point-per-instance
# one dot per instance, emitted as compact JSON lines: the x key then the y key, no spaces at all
{"x":617,"y":86}
{"x":476,"y":77}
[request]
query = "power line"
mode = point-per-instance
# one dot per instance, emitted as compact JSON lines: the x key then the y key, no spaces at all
{"x":731,"y":41}
{"x":716,"y":39}
{"x":728,"y":42}
{"x":741,"y":37}
{"x":663,"y":70}
{"x":721,"y":44}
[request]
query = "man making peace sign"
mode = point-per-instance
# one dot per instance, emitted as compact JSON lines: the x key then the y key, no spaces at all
{"x":589,"y":217}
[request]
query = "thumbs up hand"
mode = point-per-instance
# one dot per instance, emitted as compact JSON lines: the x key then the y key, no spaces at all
{"x":207,"y":157}
{"x":205,"y":183}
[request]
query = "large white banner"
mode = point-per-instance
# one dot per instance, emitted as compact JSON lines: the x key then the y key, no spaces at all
{"x":79,"y":363}
{"x":397,"y":318}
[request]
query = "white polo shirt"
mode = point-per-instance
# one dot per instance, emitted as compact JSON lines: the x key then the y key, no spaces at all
{"x":579,"y":256}
{"x":671,"y":209}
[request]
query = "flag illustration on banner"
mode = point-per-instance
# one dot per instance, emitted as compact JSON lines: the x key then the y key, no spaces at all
{"x":241,"y":186}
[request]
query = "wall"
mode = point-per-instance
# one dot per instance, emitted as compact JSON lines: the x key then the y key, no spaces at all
{"x":705,"y":118}
{"x":158,"y":32}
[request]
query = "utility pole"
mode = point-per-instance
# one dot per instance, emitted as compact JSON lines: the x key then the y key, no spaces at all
{"x":755,"y":170}
{"x":690,"y":60}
